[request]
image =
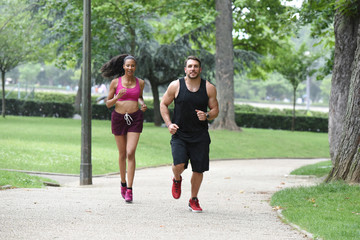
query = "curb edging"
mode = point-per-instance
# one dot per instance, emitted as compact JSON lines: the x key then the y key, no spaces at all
{"x":306,"y":233}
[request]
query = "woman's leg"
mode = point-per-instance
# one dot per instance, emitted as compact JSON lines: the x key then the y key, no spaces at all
{"x":121,"y":144}
{"x":131,"y":144}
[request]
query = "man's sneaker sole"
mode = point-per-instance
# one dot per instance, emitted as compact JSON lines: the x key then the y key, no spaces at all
{"x":195,"y":211}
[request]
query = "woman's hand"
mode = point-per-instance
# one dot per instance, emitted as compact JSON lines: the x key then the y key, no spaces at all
{"x":143,"y":107}
{"x":120,"y":93}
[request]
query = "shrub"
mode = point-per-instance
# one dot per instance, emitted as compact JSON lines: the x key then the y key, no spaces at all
{"x":252,"y":117}
{"x":302,"y":123}
{"x":42,"y":109}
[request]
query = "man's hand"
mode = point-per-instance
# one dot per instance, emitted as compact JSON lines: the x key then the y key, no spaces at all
{"x":201,"y":115}
{"x":173,"y":128}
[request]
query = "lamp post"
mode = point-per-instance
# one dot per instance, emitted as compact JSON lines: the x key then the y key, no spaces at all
{"x":308,"y":92}
{"x":307,"y":54}
{"x":86,"y":167}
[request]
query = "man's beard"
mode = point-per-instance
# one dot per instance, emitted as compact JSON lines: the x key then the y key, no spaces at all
{"x":194,"y":77}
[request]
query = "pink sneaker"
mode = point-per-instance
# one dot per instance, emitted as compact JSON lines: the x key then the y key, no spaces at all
{"x":123,"y":191}
{"x":129,"y":196}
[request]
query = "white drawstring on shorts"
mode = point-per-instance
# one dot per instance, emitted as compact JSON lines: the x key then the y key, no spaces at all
{"x":128,"y":119}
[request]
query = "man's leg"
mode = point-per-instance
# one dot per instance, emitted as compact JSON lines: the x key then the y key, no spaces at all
{"x":178,"y":170}
{"x":196,"y":180}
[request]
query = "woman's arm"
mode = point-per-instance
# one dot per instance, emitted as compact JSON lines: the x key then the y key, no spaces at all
{"x":141,"y":99}
{"x":112,"y":98}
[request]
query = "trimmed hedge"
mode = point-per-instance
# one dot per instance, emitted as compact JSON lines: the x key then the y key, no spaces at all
{"x":244,"y":108}
{"x":101,"y":112}
{"x":302,"y":123}
{"x":41,"y":109}
{"x":47,"y":96}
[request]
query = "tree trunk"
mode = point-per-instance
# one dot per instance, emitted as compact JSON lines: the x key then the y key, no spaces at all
{"x":345,"y":45}
{"x":133,"y":41}
{"x":346,"y":157}
{"x":78,"y":95}
{"x":3,"y":93}
{"x":155,"y":93}
{"x":224,"y":66}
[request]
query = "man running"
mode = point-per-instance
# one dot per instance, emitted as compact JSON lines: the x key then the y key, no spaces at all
{"x":190,"y":140}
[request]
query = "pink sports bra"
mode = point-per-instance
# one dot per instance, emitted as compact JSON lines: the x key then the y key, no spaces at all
{"x":132,"y":94}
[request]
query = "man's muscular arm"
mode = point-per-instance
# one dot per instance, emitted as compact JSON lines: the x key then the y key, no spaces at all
{"x":213,"y":102}
{"x":166,"y":100}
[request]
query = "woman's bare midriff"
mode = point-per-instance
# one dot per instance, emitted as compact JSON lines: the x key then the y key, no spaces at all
{"x":123,"y":107}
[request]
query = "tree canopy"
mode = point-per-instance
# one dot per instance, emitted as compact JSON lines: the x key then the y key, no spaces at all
{"x":21,"y":33}
{"x":169,"y":29}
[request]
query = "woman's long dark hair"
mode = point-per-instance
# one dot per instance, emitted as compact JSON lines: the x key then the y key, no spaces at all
{"x":114,"y":67}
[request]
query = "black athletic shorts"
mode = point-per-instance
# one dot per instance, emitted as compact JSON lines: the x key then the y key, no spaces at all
{"x":196,"y":152}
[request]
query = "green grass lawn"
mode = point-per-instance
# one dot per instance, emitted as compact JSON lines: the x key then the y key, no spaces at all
{"x":22,"y":180}
{"x":328,"y":211}
{"x":320,"y":169}
{"x":53,"y":145}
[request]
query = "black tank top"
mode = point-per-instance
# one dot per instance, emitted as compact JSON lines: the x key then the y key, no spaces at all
{"x":190,"y":127}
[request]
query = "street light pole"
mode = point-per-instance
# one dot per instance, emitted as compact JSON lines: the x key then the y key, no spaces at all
{"x":86,"y":167}
{"x":308,"y":92}
{"x":307,"y":54}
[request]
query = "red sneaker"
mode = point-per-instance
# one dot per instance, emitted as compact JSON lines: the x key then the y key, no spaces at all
{"x":176,"y":188}
{"x":194,"y":205}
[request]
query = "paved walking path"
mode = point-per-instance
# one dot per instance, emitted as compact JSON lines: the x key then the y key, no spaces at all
{"x":235,"y":197}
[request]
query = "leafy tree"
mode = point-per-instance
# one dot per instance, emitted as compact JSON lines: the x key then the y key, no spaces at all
{"x":64,"y":19}
{"x":320,"y":15}
{"x":113,"y":20}
{"x":20,"y":35}
{"x":329,"y":18}
{"x":261,"y":26}
{"x":340,"y":19}
{"x":162,"y":64}
{"x":224,"y":67}
{"x":258,"y":26}
{"x":294,"y":65}
{"x":118,"y":27}
{"x":276,"y":87}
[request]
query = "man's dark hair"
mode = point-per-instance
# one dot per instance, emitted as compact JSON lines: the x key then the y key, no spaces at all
{"x":192,"y":58}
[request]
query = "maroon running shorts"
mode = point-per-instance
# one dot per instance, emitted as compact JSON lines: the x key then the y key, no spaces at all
{"x":121,"y":124}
